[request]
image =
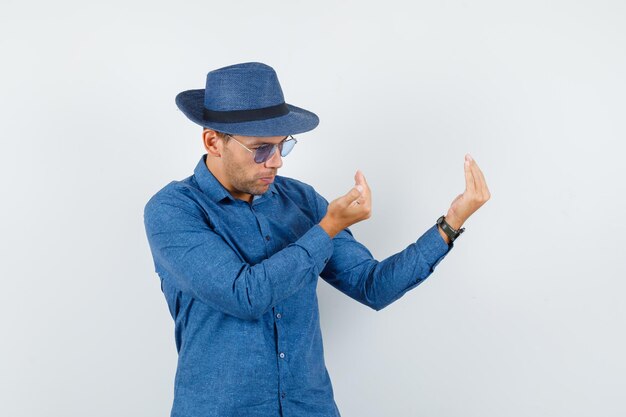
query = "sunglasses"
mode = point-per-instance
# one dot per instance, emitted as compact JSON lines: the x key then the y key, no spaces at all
{"x":265,"y":151}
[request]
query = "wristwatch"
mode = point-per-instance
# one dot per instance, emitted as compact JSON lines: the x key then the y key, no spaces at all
{"x":452,"y":234}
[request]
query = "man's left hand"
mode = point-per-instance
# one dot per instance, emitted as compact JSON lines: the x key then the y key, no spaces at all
{"x":475,"y":195}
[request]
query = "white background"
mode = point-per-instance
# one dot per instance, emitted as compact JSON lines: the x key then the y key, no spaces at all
{"x":524,"y":317}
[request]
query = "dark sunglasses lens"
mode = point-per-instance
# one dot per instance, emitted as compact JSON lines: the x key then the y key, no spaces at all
{"x":263,"y":153}
{"x":287,"y":147}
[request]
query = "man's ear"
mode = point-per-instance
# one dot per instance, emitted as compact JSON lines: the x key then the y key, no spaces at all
{"x":212,"y":142}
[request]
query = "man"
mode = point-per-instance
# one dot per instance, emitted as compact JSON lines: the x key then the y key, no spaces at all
{"x":239,"y":249}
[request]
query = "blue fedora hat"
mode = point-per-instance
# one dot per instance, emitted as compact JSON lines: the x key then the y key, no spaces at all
{"x":245,"y":99}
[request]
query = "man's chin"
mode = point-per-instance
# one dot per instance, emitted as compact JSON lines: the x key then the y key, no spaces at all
{"x":259,"y":190}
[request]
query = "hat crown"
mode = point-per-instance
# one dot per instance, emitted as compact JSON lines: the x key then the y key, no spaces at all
{"x":251,"y":85}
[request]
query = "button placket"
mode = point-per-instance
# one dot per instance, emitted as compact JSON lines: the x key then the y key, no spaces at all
{"x":265,"y":232}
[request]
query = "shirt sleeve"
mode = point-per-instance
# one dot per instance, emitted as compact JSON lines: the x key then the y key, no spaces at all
{"x":353,"y":270}
{"x":197,"y":260}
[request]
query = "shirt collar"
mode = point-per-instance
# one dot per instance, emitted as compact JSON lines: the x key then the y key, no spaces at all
{"x":212,"y":187}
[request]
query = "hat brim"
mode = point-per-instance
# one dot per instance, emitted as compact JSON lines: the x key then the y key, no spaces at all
{"x":191,"y":103}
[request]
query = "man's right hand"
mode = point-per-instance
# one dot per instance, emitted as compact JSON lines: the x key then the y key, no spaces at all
{"x":349,"y":209}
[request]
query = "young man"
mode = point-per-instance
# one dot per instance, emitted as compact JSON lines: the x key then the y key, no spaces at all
{"x":239,"y":250}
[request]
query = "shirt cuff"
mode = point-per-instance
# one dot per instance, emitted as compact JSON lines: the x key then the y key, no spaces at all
{"x":318,"y":244}
{"x":433,"y":247}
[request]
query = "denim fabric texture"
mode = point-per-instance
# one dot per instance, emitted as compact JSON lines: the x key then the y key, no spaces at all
{"x":240,"y":282}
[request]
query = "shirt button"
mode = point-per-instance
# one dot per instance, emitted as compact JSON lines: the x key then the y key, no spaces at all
{"x":325,"y":260}
{"x":284,"y":394}
{"x":278,"y":315}
{"x":282,"y":355}
{"x":267,"y":237}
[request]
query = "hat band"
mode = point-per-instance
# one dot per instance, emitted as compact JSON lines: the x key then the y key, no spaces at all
{"x":238,"y":116}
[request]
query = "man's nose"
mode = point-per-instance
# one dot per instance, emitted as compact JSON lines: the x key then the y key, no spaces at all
{"x":275,"y":161}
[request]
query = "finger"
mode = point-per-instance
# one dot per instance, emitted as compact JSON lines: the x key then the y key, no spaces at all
{"x":359,"y":179}
{"x":367,"y":194}
{"x":469,"y":177}
{"x":481,"y":186}
{"x":483,"y":183}
{"x":353,"y":195}
{"x":357,"y":201}
{"x":365,"y":183}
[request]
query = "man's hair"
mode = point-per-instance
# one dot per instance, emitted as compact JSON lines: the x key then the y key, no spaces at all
{"x":224,"y":136}
{"x":221,"y":135}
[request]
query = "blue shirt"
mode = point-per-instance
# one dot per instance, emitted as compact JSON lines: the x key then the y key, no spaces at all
{"x":240,"y":282}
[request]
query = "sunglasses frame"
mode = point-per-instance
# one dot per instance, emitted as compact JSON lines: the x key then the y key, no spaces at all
{"x":264,"y":146}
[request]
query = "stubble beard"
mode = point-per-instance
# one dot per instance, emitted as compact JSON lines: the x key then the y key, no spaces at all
{"x":240,"y":181}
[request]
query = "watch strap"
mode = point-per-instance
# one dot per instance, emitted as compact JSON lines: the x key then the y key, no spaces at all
{"x":449,"y":230}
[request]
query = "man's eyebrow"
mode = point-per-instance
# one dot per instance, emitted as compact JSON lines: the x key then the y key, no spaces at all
{"x":260,"y":142}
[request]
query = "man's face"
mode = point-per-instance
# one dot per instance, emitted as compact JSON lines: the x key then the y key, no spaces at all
{"x":243,"y":174}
